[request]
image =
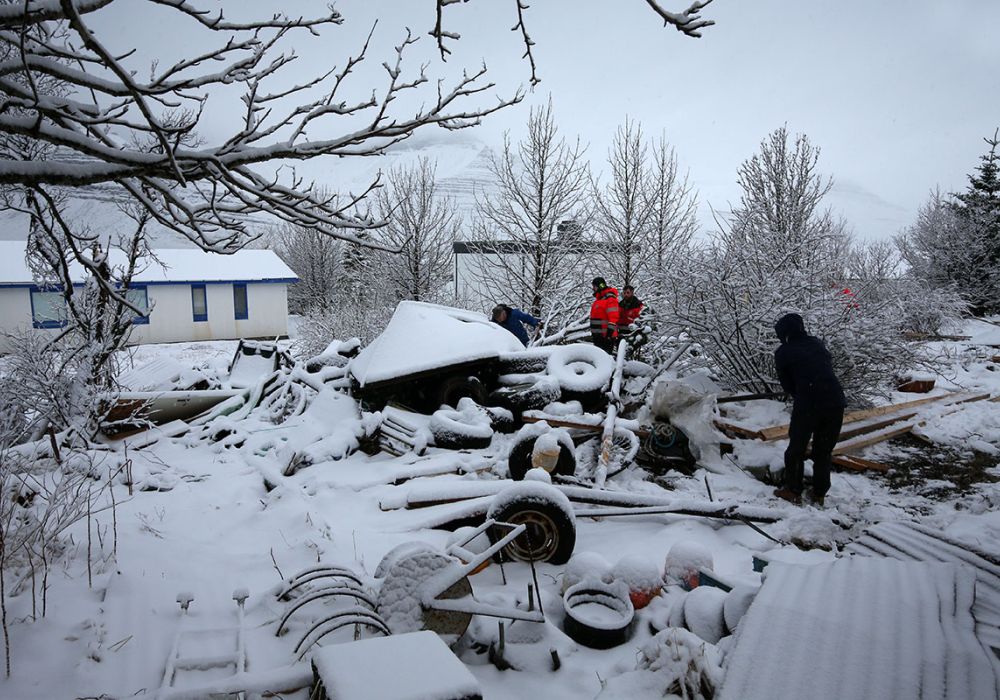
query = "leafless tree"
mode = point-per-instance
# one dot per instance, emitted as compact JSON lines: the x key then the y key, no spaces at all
{"x":621,"y":215}
{"x":673,"y":211}
{"x":317,"y":261}
{"x":781,"y":252}
{"x":422,"y":226}
{"x":541,"y":182}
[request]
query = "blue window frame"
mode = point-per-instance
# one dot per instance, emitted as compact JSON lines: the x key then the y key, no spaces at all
{"x":48,"y":307}
{"x":240,"y":308}
{"x":138,"y":297}
{"x":199,"y":302}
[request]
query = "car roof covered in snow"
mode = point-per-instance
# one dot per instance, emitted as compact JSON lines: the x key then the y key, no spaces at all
{"x":421,"y":337}
{"x":166,"y":266}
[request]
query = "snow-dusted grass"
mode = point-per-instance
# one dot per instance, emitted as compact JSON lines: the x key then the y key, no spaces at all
{"x":215,"y":527}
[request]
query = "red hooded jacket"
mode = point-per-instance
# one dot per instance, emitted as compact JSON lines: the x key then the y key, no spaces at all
{"x":604,"y":313}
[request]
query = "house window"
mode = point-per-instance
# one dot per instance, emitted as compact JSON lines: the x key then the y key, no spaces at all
{"x":199,"y":302}
{"x":240,"y":302}
{"x":137,"y":297}
{"x":48,"y":308}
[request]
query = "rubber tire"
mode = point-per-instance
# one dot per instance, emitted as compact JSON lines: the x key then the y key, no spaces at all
{"x":455,"y":440}
{"x":592,"y":636}
{"x":585,"y":356}
{"x":514,"y":513}
{"x":523,"y":397}
{"x":519,"y":461}
{"x":526,"y":364}
{"x":451,"y":389}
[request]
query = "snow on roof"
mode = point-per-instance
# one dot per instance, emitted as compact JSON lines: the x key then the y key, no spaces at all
{"x":421,"y":337}
{"x":171,"y":265}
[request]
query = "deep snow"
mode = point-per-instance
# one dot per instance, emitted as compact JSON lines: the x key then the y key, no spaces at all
{"x":200,"y":520}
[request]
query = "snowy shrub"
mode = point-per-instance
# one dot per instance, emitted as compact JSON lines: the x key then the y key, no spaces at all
{"x":780,"y":253}
{"x":40,"y":385}
{"x":350,"y":316}
{"x":673,"y":664}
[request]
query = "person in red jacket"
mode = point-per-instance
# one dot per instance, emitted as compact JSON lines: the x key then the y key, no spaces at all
{"x":604,"y":315}
{"x":631,"y":305}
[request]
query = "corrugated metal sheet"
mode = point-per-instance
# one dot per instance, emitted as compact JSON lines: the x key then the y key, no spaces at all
{"x":911,"y":541}
{"x":861,"y":628}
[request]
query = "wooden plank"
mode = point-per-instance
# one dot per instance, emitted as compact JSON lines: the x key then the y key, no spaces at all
{"x":750,"y":397}
{"x":865,"y":428}
{"x":778,"y":432}
{"x":734,"y":430}
{"x":857,"y":464}
{"x":560,"y":423}
{"x":852,"y":445}
{"x":641,"y":433}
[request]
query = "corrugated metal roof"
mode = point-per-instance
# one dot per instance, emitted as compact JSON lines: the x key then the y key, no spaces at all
{"x":861,"y":627}
{"x":911,"y":541}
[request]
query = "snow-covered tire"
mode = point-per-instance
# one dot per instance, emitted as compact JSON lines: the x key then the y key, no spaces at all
{"x":519,"y":460}
{"x":550,"y":534}
{"x":526,"y":362}
{"x":501,"y":419}
{"x":452,"y":389}
{"x":580,"y":368}
{"x":526,"y":397}
{"x":599,"y":632}
{"x":455,"y":430}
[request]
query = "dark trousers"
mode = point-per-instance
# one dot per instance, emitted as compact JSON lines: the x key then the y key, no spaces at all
{"x":608,"y":345}
{"x":823,"y":426}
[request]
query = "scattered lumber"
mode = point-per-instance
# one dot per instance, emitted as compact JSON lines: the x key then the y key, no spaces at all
{"x":858,"y":464}
{"x":872,"y":438}
{"x":589,"y":427}
{"x":750,"y":397}
{"x":734,"y":430}
{"x":779,"y":432}
{"x":916,"y":386}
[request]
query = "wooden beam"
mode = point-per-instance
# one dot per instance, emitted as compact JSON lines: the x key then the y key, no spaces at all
{"x":858,"y":464}
{"x":733,"y":430}
{"x":882,"y":436}
{"x":779,"y":432}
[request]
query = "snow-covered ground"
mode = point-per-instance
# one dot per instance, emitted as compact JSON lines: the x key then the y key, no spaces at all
{"x":206,"y":517}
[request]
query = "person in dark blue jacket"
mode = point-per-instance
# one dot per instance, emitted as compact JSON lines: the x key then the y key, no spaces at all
{"x":806,"y":373}
{"x":514,"y":320}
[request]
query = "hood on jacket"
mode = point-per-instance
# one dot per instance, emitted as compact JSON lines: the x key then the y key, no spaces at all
{"x":606,"y":292}
{"x":789,"y":326}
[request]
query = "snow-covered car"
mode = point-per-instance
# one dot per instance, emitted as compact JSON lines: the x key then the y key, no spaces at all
{"x":431,"y":355}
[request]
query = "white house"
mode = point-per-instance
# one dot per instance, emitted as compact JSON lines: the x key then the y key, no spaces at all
{"x":188,"y":294}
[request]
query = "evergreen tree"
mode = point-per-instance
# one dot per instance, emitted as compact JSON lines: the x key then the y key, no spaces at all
{"x":978,"y":209}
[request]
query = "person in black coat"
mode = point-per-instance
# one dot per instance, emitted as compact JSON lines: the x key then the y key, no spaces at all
{"x":806,"y":374}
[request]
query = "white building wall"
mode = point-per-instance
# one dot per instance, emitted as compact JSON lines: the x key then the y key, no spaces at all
{"x":15,"y":308}
{"x":15,"y":312}
{"x":267,"y":306}
{"x":171,"y":317}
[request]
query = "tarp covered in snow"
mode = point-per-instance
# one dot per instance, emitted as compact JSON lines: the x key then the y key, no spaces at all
{"x":421,"y":337}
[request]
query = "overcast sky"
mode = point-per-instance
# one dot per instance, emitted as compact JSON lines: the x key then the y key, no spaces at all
{"x":898,"y":93}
